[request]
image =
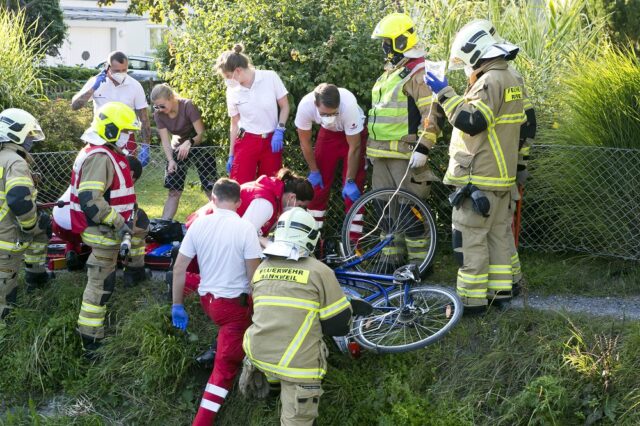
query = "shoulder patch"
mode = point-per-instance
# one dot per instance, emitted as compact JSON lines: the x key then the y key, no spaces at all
{"x":123,"y":165}
{"x":296,"y":275}
{"x":513,"y":94}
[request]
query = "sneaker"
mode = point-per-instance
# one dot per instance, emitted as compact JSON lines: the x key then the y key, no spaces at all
{"x":206,"y":359}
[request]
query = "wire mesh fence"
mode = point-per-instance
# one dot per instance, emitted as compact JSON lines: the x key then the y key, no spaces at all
{"x":581,"y":199}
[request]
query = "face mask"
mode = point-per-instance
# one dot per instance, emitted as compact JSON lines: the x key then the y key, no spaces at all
{"x":119,"y":77}
{"x":327,"y":121}
{"x":468,"y":70}
{"x":122,"y":140}
{"x":291,"y":203}
{"x":231,"y":83}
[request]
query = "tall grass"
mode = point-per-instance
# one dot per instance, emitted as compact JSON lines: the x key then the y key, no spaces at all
{"x":19,"y":82}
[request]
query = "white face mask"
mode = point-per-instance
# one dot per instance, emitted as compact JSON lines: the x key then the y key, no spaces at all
{"x":468,"y":70}
{"x":231,"y":83}
{"x":119,"y":77}
{"x":328,"y":121}
{"x":122,"y":140}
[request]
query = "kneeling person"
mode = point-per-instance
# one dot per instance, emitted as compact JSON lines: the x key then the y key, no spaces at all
{"x":297,"y":300}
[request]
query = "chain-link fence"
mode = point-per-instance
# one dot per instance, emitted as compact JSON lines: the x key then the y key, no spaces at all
{"x":578,"y":198}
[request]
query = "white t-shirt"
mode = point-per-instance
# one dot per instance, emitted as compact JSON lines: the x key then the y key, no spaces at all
{"x":130,"y":93}
{"x":258,"y":213}
{"x":350,"y":119}
{"x":257,"y":105}
{"x":222,"y":241}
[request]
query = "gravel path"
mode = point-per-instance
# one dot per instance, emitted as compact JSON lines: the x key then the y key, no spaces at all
{"x":616,"y":307}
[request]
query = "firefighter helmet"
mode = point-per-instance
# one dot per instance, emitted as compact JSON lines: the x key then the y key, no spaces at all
{"x":19,"y":127}
{"x":296,"y":228}
{"x":113,"y":118}
{"x":399,"y":30}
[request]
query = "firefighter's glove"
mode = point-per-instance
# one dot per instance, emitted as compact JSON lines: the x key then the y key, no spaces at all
{"x":277,"y":140}
{"x":44,"y":224}
{"x":316,"y":179}
{"x":456,"y":198}
{"x":351,"y":191}
{"x":434,"y":83}
{"x":417,"y":160}
{"x":179,"y":317}
{"x":229,"y":163}
{"x":124,"y":230}
{"x":100,"y":78}
{"x":522,"y":176}
{"x":479,"y":201}
{"x":253,"y":383}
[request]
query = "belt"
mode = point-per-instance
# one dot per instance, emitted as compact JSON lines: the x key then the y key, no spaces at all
{"x":242,"y":300}
{"x":261,"y":135}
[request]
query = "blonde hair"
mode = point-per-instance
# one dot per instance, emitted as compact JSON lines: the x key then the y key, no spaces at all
{"x":162,"y":91}
{"x":231,"y":59}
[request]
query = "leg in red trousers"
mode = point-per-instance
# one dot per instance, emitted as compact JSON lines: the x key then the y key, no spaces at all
{"x":232,"y":320}
{"x":246,"y":155}
{"x":269,"y":162}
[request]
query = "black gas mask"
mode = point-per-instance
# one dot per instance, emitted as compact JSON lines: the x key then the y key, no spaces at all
{"x":390,"y":54}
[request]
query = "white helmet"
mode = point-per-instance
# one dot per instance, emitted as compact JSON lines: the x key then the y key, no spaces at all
{"x":19,"y":127}
{"x":296,"y":234}
{"x":470,"y":44}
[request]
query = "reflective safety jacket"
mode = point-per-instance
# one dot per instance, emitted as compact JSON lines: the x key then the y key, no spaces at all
{"x":102,"y":193}
{"x":18,"y":213}
{"x":268,"y":188}
{"x":402,"y":109}
{"x":489,"y":158}
{"x":290,"y":300}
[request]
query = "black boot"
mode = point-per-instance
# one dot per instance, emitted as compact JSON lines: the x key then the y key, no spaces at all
{"x":73,"y":261}
{"x":35,"y":280}
{"x":206,"y":359}
{"x":91,"y":346}
{"x":134,"y":275}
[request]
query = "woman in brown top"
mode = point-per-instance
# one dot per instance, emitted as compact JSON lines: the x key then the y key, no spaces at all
{"x":180,"y":126}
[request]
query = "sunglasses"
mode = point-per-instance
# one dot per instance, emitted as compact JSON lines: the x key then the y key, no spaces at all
{"x":159,"y":107}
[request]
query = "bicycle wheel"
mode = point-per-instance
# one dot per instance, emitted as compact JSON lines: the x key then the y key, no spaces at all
{"x":403,"y":218}
{"x":408,"y":323}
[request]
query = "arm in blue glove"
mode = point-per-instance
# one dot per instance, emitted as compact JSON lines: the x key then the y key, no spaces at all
{"x":350,"y":190}
{"x":179,"y":317}
{"x":277,"y":140}
{"x":100,"y":78}
{"x":229,"y":163}
{"x":435,"y":84}
{"x":316,"y":179}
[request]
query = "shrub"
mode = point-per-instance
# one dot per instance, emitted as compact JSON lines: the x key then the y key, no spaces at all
{"x":61,"y":125}
{"x":623,"y":20}
{"x":65,"y":73}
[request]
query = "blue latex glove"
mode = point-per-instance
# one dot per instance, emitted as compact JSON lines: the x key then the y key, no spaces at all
{"x":100,"y":78}
{"x":435,"y":84}
{"x":316,"y":179}
{"x":351,"y":190}
{"x":179,"y":317}
{"x":277,"y":140}
{"x":229,"y":163}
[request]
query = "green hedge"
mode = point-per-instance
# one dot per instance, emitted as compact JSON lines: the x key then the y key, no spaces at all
{"x":64,"y":73}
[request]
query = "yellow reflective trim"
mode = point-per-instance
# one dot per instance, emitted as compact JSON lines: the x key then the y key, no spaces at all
{"x":139,"y":251}
{"x":297,"y":340}
{"x":34,"y":258}
{"x":99,"y":239}
{"x":28,"y":224}
{"x":18,"y":181}
{"x":296,"y":275}
{"x":451,"y":103}
{"x":518,"y":118}
{"x":497,"y":269}
{"x":287,"y":301}
{"x":473,"y":294}
{"x":525,"y":150}
{"x":93,"y":309}
{"x":91,"y":185}
{"x":422,"y":134}
{"x":513,"y":94}
{"x":381,"y":153}
{"x":90,"y":322}
{"x":485,"y":110}
{"x":1,"y":172}
{"x":393,"y":145}
{"x":464,"y":274}
{"x":420,"y":102}
{"x":13,"y":247}
{"x":416,"y":243}
{"x":108,"y":220}
{"x":338,"y":306}
{"x":296,"y":373}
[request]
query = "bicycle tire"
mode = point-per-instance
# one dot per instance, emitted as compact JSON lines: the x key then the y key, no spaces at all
{"x":406,"y":213}
{"x":388,"y":330}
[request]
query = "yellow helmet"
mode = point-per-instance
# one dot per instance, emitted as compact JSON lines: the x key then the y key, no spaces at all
{"x":112,"y":118}
{"x":399,"y":29}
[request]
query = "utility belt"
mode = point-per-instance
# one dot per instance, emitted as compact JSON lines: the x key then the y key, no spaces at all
{"x":242,"y":300}
{"x":242,"y":133}
{"x":479,"y":200}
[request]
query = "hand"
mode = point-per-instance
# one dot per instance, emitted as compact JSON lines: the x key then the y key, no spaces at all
{"x":479,"y":201}
{"x":100,"y":78}
{"x":351,"y":190}
{"x":435,"y":84}
{"x":172,"y":166}
{"x":229,"y":163}
{"x":522,"y":176}
{"x":123,"y":230}
{"x":316,"y":179}
{"x":179,"y":317}
{"x":277,"y":140}
{"x":183,"y":150}
{"x":417,"y":160}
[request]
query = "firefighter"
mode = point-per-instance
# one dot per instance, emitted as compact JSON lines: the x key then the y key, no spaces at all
{"x":403,"y":125}
{"x":483,"y":162}
{"x":20,"y":224}
{"x":102,"y":205}
{"x":296,"y":300}
{"x":341,"y":137}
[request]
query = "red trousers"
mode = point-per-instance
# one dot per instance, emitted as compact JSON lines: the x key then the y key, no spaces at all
{"x":252,"y":157}
{"x":330,"y":148}
{"x":232,"y":320}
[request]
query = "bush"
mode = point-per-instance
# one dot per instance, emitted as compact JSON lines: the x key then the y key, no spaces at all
{"x":61,"y":125}
{"x":305,"y":41}
{"x":64,"y":73}
{"x":19,"y":82}
{"x":623,"y":20}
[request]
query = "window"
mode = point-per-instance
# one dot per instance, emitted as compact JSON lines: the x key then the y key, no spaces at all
{"x":156,"y":37}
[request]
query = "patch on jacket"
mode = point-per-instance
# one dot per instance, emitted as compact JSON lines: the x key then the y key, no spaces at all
{"x":300,"y":276}
{"x":513,"y":94}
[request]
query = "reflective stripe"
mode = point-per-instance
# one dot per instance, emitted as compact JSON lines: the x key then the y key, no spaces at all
{"x":99,"y":239}
{"x":416,"y":243}
{"x":108,"y":220}
{"x":499,"y":269}
{"x":210,"y":405}
{"x":90,"y":322}
{"x":400,"y":119}
{"x":500,"y":284}
{"x":451,"y":103}
{"x":290,"y":302}
{"x":430,"y":136}
{"x":91,"y":185}
{"x":485,"y":110}
{"x":317,"y":213}
{"x":14,"y":247}
{"x":472,"y":293}
{"x":33,"y":258}
{"x":138,"y":251}
{"x":93,"y":309}
{"x":517,"y":118}
{"x":356,"y":228}
{"x":473,"y":279}
{"x":216,"y":390}
{"x":335,"y":307}
{"x":371,"y":152}
{"x":525,"y":150}
{"x":481,"y":180}
{"x":420,"y":102}
{"x":298,"y":339}
{"x":526,"y":103}
{"x":29,"y":223}
{"x":17,"y":181}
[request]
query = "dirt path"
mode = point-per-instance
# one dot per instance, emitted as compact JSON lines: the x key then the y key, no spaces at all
{"x":615,"y":307}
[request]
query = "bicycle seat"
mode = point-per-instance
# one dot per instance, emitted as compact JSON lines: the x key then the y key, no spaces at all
{"x":406,"y":273}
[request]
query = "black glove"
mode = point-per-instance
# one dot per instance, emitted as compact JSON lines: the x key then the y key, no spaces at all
{"x":479,"y":201}
{"x":456,"y":198}
{"x":44,"y":223}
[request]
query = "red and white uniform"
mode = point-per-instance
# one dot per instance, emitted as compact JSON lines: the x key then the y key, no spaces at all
{"x":331,"y":146}
{"x":258,"y":110}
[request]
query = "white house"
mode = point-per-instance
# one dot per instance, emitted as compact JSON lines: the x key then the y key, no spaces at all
{"x":95,"y":31}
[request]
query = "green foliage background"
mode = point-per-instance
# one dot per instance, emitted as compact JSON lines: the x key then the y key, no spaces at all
{"x":44,"y":23}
